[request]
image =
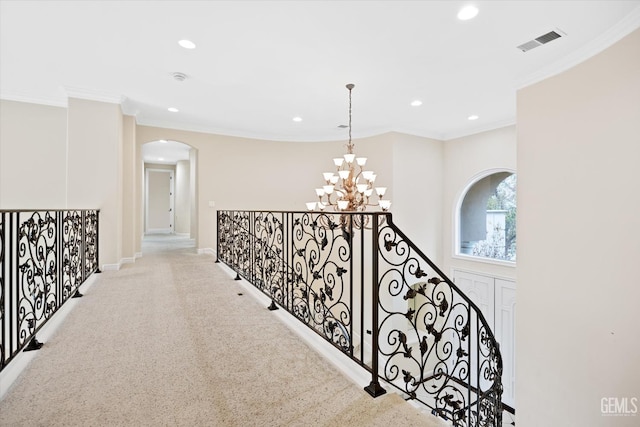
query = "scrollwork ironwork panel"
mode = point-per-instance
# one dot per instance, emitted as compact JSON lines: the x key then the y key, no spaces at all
{"x":271,"y":274}
{"x":225,"y":237}
{"x":44,"y":256}
{"x":321,"y":248}
{"x":428,"y":336}
{"x":71,"y":252}
{"x":242,"y":244}
{"x":37,"y":271}
{"x":90,"y":242}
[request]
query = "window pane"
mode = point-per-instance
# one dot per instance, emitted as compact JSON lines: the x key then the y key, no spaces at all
{"x":488,"y":218}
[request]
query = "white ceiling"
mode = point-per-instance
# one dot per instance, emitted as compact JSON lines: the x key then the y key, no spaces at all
{"x":260,"y":63}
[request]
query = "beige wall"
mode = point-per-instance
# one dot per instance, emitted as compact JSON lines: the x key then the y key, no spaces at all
{"x":94,"y":169}
{"x":130,"y":192}
{"x":417,"y":191}
{"x":579,"y":241}
{"x":33,"y":156}
{"x":465,"y":159}
{"x":193,"y":194}
{"x":182,"y":199}
{"x":67,"y":158}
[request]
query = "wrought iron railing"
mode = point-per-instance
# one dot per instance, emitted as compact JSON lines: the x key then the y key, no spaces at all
{"x":45,"y":255}
{"x":356,"y":280}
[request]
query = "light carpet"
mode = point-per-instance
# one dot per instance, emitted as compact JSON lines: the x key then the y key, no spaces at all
{"x":168,"y":341}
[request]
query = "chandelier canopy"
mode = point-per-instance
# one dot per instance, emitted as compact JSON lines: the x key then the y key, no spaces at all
{"x":350,"y":188}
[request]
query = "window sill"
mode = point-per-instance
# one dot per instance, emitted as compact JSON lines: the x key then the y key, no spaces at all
{"x":485,"y":260}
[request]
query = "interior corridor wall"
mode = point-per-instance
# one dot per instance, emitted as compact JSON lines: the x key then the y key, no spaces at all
{"x":579,"y":241}
{"x":417,"y":191}
{"x":33,"y":156}
{"x":94,"y":169}
{"x":68,"y":158}
{"x":183,"y":191}
{"x":130,"y":192}
{"x":193,"y":194}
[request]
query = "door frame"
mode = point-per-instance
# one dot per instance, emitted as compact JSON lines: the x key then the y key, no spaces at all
{"x":171,"y":228}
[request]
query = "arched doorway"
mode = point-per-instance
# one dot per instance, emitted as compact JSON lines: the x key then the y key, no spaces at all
{"x":169,"y":186}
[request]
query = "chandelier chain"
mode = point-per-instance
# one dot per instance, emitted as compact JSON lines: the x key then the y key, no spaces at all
{"x":350,"y":146}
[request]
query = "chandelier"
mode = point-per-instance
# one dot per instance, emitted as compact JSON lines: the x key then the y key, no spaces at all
{"x":351,"y":187}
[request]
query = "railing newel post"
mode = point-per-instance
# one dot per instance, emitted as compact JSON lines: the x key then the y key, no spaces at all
{"x":470,"y":352}
{"x":3,"y":276}
{"x":77,"y":293}
{"x":12,"y":229}
{"x":288,"y":244}
{"x":374,"y":388}
{"x":98,"y":241}
{"x":217,"y":236}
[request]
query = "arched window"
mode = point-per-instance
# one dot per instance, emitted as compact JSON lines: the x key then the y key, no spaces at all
{"x":487,"y":218}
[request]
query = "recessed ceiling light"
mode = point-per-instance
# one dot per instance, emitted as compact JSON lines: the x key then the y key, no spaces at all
{"x":160,"y":159}
{"x":164,"y":141}
{"x":416,"y":103}
{"x":473,"y":117}
{"x":297,"y":119}
{"x":173,"y":110}
{"x":467,"y":12}
{"x":187,"y":44}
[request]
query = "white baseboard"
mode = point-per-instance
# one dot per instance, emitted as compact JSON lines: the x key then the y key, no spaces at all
{"x":159,"y":231}
{"x":118,"y":266}
{"x":206,"y":251}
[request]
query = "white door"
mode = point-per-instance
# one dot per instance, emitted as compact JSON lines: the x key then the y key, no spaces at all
{"x":505,"y":320}
{"x":159,"y":201}
{"x":496,"y":298}
{"x":480,"y":289}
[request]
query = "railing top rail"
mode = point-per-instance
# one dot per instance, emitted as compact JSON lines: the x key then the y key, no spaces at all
{"x":327,"y":212}
{"x":48,"y":210}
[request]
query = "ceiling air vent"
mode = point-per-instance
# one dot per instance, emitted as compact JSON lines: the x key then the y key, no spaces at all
{"x":539,"y":41}
{"x":179,"y":76}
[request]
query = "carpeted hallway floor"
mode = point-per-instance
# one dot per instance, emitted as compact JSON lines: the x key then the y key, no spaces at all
{"x":169,"y":341}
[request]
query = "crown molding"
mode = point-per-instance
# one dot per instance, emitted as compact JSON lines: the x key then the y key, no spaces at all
{"x":33,"y":100}
{"x":497,"y":124}
{"x":92,"y":95}
{"x":626,"y":26}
